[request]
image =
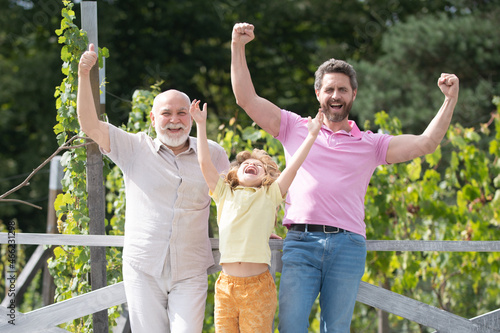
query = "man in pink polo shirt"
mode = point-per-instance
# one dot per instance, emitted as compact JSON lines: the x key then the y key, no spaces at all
{"x":324,"y":251}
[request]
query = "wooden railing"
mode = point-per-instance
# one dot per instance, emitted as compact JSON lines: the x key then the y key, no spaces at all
{"x":47,"y":318}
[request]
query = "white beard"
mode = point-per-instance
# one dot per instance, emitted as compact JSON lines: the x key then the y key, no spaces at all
{"x":169,"y":140}
{"x":172,"y":142}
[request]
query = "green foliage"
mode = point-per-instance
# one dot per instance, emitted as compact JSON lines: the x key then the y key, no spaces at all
{"x":70,"y":266}
{"x":414,"y":201}
{"x":415,"y":52}
{"x":29,"y":70}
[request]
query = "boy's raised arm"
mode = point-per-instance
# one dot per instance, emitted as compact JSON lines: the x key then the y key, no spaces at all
{"x":208,"y":169}
{"x":292,"y":166}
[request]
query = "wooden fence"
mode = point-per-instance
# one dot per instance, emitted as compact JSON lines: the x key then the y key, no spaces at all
{"x":47,"y":318}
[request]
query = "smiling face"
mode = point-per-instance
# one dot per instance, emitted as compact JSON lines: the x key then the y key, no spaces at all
{"x":171,"y":119}
{"x":336,"y":97}
{"x":252,"y":169}
{"x":251,"y":173}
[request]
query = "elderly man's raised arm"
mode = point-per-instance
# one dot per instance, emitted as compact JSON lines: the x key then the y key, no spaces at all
{"x":87,"y":116}
{"x":404,"y":148}
{"x":263,"y":112}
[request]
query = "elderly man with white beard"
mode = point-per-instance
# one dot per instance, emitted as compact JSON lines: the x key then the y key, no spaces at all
{"x":167,"y":251}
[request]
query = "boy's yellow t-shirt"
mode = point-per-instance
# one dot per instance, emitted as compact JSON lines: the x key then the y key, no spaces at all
{"x":246,"y":218}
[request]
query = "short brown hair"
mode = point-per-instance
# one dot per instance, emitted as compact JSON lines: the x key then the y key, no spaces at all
{"x":335,"y":66}
{"x":271,"y":168}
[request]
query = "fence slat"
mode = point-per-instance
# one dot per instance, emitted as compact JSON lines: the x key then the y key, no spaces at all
{"x":29,"y":271}
{"x":54,"y":330}
{"x":58,"y":239}
{"x":443,"y":321}
{"x":4,"y":318}
{"x":490,"y":319}
{"x":65,"y":311}
{"x":440,"y":246}
{"x":275,"y":244}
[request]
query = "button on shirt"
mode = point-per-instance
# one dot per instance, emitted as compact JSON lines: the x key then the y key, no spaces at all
{"x":167,"y":204}
{"x":330,"y":187}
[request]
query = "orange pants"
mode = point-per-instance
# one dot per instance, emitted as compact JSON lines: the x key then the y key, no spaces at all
{"x":245,"y":304}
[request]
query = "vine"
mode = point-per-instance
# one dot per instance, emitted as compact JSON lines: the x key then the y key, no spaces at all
{"x":70,"y":265}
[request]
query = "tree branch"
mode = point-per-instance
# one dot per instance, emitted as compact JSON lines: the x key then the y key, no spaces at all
{"x":64,"y":146}
{"x":22,"y":202}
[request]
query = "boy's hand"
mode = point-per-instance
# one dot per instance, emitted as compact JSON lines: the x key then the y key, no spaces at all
{"x":199,"y":116}
{"x":314,"y":125}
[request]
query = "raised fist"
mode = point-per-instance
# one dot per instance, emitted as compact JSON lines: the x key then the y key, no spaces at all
{"x":87,"y":61}
{"x":449,"y":85}
{"x":243,"y":33}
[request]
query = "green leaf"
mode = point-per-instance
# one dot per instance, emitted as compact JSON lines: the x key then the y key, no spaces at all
{"x":65,"y":54}
{"x":58,"y":128}
{"x":414,"y":169}
{"x":59,"y":252}
{"x":434,"y":158}
{"x":74,"y":284}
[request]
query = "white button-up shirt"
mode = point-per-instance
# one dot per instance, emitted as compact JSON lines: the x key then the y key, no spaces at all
{"x":167,"y":204}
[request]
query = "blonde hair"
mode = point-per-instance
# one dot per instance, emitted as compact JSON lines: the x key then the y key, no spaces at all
{"x":271,"y":168}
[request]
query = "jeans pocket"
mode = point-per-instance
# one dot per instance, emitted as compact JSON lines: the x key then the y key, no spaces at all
{"x":357,"y":239}
{"x":294,"y":235}
{"x":292,"y":239}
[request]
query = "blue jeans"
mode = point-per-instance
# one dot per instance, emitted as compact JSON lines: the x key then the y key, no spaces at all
{"x":330,"y":265}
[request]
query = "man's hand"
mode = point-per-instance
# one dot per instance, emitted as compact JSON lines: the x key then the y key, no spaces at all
{"x":87,"y":61}
{"x":448,"y":83}
{"x":242,"y":33}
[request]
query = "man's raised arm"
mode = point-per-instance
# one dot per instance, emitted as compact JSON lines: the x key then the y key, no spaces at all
{"x":264,"y":113}
{"x":404,"y":148}
{"x":87,"y":116}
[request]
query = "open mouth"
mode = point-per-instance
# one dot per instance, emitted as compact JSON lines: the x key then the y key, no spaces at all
{"x":175,"y":130}
{"x":336,"y":106}
{"x":251,"y":170}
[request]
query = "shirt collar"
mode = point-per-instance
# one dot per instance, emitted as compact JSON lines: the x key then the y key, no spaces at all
{"x":355,"y":131}
{"x":192,"y":145}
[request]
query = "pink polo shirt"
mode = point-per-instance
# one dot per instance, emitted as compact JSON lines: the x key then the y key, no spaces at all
{"x":331,"y":185}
